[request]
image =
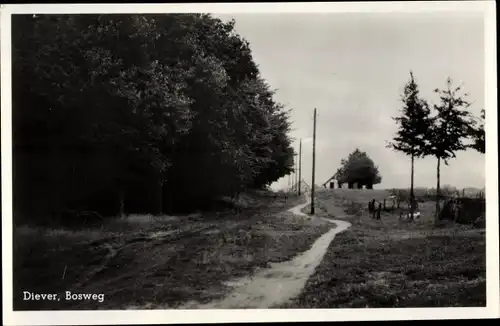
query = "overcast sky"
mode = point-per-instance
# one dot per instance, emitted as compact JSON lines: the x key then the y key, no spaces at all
{"x":352,"y":67}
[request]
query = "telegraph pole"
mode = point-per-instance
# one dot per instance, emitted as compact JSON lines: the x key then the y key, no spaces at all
{"x":300,"y":164}
{"x":296,"y":174}
{"x":313,"y":164}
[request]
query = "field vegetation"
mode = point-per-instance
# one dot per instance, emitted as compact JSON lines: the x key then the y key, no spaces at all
{"x":395,"y":263}
{"x":146,"y":260}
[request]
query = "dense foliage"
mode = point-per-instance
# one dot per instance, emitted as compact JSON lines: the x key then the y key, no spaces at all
{"x":478,"y":133}
{"x":451,"y":123}
{"x":413,"y":125}
{"x":450,"y":130}
{"x":358,"y":168}
{"x":139,"y":113}
{"x":441,"y":132}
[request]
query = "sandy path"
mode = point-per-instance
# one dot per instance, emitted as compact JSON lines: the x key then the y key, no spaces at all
{"x":279,"y":283}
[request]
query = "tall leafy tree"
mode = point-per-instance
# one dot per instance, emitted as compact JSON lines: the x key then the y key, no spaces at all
{"x":450,"y":129}
{"x":135,"y":113}
{"x":358,"y":168}
{"x":413,"y":127}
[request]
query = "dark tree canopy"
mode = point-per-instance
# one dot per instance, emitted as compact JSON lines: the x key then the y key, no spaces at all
{"x":358,"y":168}
{"x":413,"y":123}
{"x":477,"y":134}
{"x":451,"y":123}
{"x":450,"y":129}
{"x":150,"y":112}
{"x":441,"y":134}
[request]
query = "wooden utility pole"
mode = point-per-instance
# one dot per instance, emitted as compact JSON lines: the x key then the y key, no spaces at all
{"x":296,"y":174}
{"x":313,"y":164}
{"x":300,"y":164}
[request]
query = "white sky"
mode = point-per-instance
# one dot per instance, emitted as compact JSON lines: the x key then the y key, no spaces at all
{"x":352,"y":68}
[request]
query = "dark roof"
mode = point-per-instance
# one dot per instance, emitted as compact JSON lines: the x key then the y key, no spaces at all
{"x":333,"y":177}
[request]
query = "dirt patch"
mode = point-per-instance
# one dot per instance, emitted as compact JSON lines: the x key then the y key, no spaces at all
{"x":280,"y":282}
{"x":158,"y":261}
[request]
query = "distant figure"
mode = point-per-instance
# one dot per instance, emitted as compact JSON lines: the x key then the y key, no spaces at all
{"x":379,"y":209}
{"x":371,"y":206}
{"x":375,"y":207}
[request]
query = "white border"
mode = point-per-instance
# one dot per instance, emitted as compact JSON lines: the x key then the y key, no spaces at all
{"x":254,"y":315}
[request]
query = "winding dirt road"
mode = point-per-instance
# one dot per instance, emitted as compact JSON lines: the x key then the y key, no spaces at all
{"x":281,"y":282}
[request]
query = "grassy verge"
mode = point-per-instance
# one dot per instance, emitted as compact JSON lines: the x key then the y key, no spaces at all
{"x":392,"y":263}
{"x":148,"y":261}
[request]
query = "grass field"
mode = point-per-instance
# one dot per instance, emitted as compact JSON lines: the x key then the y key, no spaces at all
{"x":392,"y":263}
{"x":145,"y":260}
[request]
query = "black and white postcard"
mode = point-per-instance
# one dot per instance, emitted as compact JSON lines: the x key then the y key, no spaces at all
{"x":217,"y":162}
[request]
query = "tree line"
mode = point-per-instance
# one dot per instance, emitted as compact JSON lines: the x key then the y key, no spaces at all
{"x":440,"y":130}
{"x":139,"y":114}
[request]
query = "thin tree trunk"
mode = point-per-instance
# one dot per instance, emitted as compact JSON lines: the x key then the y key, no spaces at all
{"x":160,"y":197}
{"x":57,"y":193}
{"x":438,"y":189}
{"x":122,"y":203}
{"x":170,"y":201}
